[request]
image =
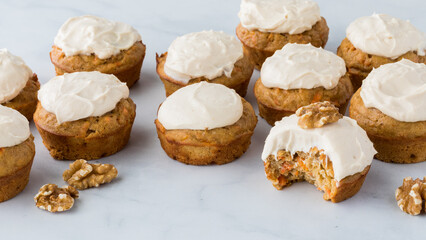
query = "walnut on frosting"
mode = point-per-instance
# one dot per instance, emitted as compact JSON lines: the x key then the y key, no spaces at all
{"x":55,"y":199}
{"x":82,"y":174}
{"x":317,"y":115}
{"x":412,"y":195}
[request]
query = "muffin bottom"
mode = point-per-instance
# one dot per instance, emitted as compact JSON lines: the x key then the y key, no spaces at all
{"x":397,"y":151}
{"x":11,"y":185}
{"x":359,"y":64}
{"x":130,"y":75}
{"x":26,"y":101}
{"x":239,"y":80}
{"x":63,"y":147}
{"x":395,"y":141}
{"x":261,"y":45}
{"x":88,"y":138}
{"x":215,"y":146}
{"x":125,"y":65}
{"x":204,"y":155}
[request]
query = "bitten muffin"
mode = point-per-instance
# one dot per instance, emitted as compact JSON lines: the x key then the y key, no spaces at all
{"x":84,"y":115}
{"x":18,"y":84}
{"x":84,"y":44}
{"x":333,"y":154}
{"x":379,"y":39}
{"x":195,"y":57}
{"x":268,"y":25}
{"x":17,"y":152}
{"x":205,"y":123}
{"x":390,"y":106}
{"x":299,"y":75}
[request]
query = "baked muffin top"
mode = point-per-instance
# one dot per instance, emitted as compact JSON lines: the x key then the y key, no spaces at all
{"x":386,"y":36}
{"x":201,"y":106}
{"x":344,"y":142}
{"x":14,"y":127}
{"x":14,"y":75}
{"x":397,"y":90}
{"x":79,"y":95}
{"x":302,"y":66}
{"x":88,"y":35}
{"x":279,"y":16}
{"x":206,"y":54}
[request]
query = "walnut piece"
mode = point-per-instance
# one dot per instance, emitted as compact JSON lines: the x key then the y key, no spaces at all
{"x":412,"y":195}
{"x":82,"y":174}
{"x":55,"y":199}
{"x":317,"y":115}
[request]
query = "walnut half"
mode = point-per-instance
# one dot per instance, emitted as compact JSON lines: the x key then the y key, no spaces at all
{"x":82,"y":174}
{"x":54,"y":199}
{"x":318,"y":114}
{"x":412,"y":195}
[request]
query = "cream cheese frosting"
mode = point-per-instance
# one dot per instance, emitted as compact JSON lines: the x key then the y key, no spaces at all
{"x":397,"y":90}
{"x":279,"y":16}
{"x":78,"y":95}
{"x":201,"y":106}
{"x":386,"y":36}
{"x":14,"y":127}
{"x":298,"y":66}
{"x":344,"y":142}
{"x":90,"y":34}
{"x":208,"y":54}
{"x":14,"y":75}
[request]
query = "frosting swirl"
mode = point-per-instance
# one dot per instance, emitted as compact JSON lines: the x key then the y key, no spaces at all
{"x":78,"y":95}
{"x":386,"y":36}
{"x":201,"y":106}
{"x":279,"y":16}
{"x":397,"y":90}
{"x":298,"y":66}
{"x":207,"y":54}
{"x":344,"y":142}
{"x":14,"y":75}
{"x":14,"y":127}
{"x":90,"y":34}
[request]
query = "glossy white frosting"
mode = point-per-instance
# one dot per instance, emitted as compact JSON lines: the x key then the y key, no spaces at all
{"x":302,"y":66}
{"x":14,"y":75}
{"x":201,"y":106}
{"x":279,"y":16}
{"x":397,"y":90}
{"x":344,"y":142}
{"x":386,"y":36}
{"x":207,"y":54}
{"x":78,"y":95}
{"x":90,"y":34}
{"x":14,"y":127}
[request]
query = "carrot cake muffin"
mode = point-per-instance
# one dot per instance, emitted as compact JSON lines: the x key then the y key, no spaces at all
{"x":321,"y":147}
{"x":268,"y":25}
{"x":379,"y":39}
{"x":84,"y":115}
{"x":298,"y":75}
{"x":90,"y":43}
{"x":18,"y":84}
{"x":17,"y":152}
{"x":390,"y":106}
{"x":210,"y":56}
{"x":205,"y":123}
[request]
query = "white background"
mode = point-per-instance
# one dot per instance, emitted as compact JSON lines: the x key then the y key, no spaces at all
{"x":155,"y":197}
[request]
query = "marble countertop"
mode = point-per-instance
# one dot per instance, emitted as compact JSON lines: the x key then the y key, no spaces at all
{"x":155,"y":197}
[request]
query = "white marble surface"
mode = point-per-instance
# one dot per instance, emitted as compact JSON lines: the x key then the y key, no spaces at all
{"x":155,"y":197}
